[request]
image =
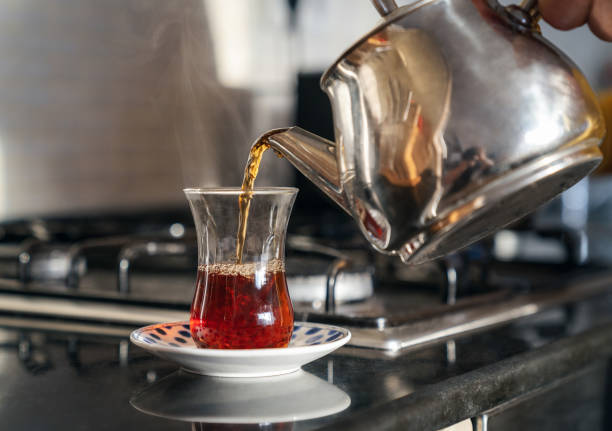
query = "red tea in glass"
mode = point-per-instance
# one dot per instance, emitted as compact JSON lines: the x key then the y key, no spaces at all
{"x":241,"y":306}
{"x":241,"y":299}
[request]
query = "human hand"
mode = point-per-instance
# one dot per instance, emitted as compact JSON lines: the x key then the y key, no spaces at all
{"x":568,"y":14}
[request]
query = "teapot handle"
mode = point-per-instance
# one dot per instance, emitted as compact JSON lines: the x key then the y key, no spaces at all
{"x":524,"y":16}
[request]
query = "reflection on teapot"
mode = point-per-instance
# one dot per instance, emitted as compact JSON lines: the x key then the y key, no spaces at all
{"x":216,"y":400}
{"x":445,"y":115}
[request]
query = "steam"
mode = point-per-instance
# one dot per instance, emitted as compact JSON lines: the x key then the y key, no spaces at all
{"x":208,"y":122}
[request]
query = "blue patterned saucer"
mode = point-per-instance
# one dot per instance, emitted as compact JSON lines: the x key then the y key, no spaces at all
{"x":173,"y":341}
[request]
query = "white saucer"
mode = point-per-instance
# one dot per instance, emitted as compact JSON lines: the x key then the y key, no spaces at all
{"x":173,"y":341}
{"x":290,"y":397}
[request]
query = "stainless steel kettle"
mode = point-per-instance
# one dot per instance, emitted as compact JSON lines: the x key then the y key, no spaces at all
{"x":452,"y":119}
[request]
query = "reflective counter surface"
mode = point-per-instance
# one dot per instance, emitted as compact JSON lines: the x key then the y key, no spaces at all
{"x":550,"y":365}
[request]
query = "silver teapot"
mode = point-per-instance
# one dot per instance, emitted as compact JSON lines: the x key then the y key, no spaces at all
{"x":453,"y":118}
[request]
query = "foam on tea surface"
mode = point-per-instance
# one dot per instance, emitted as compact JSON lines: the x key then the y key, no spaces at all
{"x":243,"y":269}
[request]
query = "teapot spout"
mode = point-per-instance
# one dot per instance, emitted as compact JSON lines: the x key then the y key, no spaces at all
{"x":314,"y":157}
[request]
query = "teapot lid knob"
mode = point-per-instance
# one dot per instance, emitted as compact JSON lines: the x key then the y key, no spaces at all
{"x":523,"y":17}
{"x":526,"y":14}
{"x":384,"y":7}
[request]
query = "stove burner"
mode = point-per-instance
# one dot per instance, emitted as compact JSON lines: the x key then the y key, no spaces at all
{"x":320,"y":276}
{"x":148,"y":275}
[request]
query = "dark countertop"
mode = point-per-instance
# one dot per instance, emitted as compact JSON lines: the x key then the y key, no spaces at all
{"x":59,"y":380}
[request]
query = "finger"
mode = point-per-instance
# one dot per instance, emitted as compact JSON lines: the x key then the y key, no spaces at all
{"x":600,"y":21}
{"x":565,"y":14}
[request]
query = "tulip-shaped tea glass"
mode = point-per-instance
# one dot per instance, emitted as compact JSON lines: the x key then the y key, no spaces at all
{"x":241,"y":299}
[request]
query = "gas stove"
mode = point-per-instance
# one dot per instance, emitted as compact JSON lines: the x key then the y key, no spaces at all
{"x":110,"y":275}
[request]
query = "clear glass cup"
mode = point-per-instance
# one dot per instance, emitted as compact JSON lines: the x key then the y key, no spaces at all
{"x":241,"y":303}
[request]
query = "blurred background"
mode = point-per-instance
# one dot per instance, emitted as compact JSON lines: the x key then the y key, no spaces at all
{"x":109,"y":108}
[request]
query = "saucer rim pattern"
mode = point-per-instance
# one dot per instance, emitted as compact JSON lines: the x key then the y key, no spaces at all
{"x":282,"y":351}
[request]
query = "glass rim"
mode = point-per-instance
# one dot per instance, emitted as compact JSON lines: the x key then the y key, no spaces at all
{"x":238,"y":190}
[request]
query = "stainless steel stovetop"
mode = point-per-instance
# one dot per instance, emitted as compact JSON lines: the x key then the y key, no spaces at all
{"x":113,"y":283}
